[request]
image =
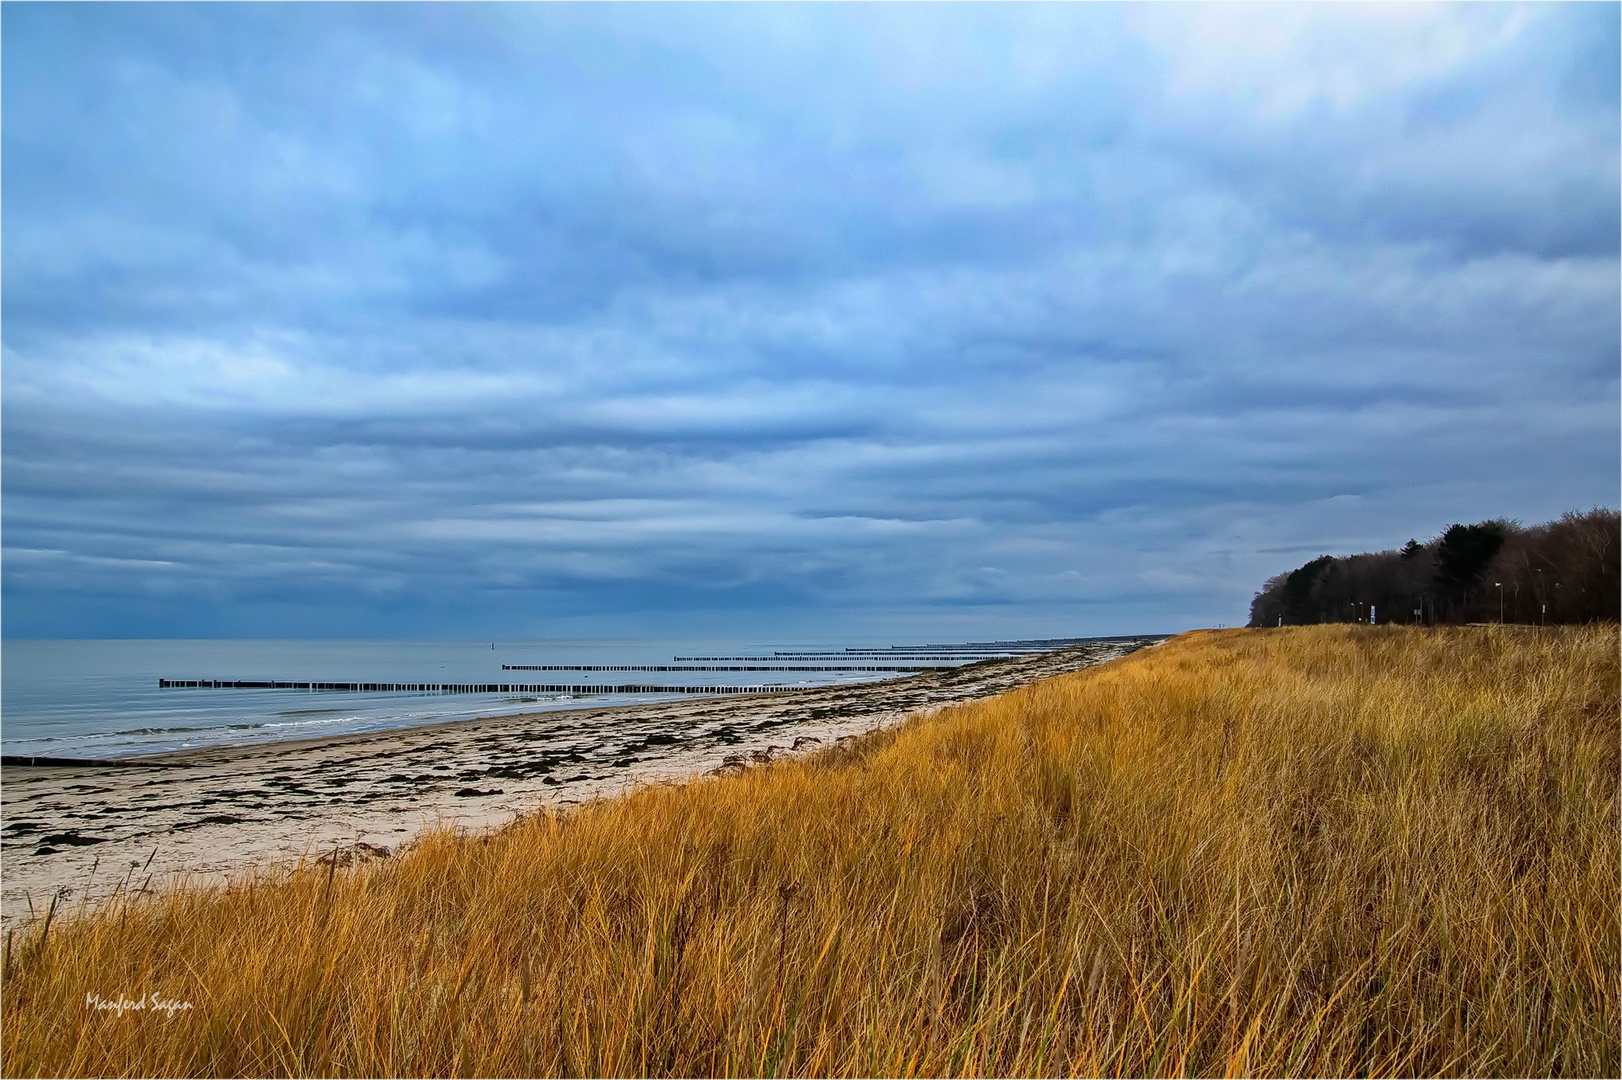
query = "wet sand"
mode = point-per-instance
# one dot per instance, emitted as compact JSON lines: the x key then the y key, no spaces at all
{"x":83,"y":831}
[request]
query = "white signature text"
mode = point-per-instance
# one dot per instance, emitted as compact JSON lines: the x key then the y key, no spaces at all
{"x":146,"y":1002}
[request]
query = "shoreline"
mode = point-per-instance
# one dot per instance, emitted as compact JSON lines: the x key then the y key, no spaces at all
{"x":84,"y":831}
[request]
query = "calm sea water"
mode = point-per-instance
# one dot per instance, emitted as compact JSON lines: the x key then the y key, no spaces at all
{"x":101,"y":698}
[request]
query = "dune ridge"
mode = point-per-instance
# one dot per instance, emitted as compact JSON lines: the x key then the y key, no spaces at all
{"x":1322,"y":850}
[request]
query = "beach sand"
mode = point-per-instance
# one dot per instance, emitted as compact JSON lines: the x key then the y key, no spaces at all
{"x":84,"y":832}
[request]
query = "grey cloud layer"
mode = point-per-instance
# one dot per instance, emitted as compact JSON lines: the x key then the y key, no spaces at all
{"x":440,"y":319}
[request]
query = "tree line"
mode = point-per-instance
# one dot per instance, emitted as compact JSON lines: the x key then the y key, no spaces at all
{"x":1563,"y":571}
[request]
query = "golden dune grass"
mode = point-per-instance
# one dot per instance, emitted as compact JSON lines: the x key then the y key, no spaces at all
{"x":1321,"y":850}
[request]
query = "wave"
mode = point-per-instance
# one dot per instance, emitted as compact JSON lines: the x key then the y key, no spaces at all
{"x":143,"y":731}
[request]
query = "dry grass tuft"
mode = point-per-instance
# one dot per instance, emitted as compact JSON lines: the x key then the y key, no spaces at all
{"x":1320,"y":850}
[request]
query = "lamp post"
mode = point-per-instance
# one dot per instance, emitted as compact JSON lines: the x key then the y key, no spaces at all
{"x":1500,"y":585}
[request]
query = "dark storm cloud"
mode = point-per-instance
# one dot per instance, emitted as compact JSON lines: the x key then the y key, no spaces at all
{"x":423,"y":319}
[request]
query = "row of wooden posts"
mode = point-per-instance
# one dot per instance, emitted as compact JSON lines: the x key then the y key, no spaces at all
{"x":692,"y":667}
{"x":466,"y":688}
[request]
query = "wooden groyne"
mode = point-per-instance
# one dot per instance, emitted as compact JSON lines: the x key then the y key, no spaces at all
{"x":36,"y":761}
{"x":782,"y":657}
{"x":464,"y":688}
{"x":691,"y":667}
{"x":972,"y":650}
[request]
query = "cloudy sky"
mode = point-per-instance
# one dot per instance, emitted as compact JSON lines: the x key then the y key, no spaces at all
{"x":918,"y":322}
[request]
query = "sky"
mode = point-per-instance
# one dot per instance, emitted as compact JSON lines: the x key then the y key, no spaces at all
{"x":838,"y":322}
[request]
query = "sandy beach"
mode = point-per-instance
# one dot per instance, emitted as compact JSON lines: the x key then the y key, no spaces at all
{"x":84,"y":831}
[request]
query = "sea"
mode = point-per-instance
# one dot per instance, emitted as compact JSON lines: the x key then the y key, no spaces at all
{"x":103,"y":699}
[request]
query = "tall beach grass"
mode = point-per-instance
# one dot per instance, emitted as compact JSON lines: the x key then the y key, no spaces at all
{"x":1312,"y":851}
